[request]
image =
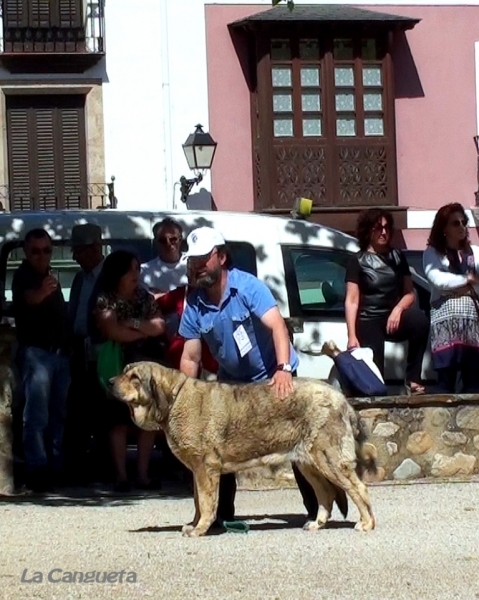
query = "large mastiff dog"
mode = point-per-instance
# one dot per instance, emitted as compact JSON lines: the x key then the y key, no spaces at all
{"x":216,"y":428}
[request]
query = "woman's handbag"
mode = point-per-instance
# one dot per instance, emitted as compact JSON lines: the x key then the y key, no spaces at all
{"x":359,"y":374}
{"x":110,"y":362}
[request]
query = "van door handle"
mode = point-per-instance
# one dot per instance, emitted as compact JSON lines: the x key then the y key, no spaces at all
{"x":312,"y":349}
{"x":295,"y":324}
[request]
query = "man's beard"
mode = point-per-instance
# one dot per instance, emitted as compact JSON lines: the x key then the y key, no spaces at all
{"x":209,"y":279}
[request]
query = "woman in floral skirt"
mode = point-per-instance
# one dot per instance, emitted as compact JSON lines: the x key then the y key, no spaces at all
{"x":451,"y":264}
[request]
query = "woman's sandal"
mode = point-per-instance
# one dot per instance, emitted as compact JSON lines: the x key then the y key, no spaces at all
{"x":417,"y":390}
{"x":122,"y":487}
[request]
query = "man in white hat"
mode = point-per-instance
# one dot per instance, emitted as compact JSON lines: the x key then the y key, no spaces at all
{"x":238,"y":317}
{"x":84,"y":398}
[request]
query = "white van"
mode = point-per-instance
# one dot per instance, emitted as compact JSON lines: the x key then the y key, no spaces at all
{"x":302,"y":263}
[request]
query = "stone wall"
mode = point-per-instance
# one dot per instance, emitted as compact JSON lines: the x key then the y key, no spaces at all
{"x":424,"y":441}
{"x":416,"y":437}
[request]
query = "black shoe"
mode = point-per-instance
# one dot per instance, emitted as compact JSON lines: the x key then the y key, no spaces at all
{"x":39,"y":481}
{"x":220,"y":519}
{"x":217,"y":525}
{"x":122,"y":487}
{"x":154,"y":484}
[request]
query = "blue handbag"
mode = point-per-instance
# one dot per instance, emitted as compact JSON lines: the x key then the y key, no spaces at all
{"x":357,"y":376}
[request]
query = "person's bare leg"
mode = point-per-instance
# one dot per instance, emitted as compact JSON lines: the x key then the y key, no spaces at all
{"x":146,"y":442}
{"x":117,"y":437}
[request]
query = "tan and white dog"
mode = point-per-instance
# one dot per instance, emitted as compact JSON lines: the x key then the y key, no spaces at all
{"x":216,"y":428}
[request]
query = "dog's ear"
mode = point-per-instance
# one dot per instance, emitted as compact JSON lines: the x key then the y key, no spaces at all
{"x":159,"y":397}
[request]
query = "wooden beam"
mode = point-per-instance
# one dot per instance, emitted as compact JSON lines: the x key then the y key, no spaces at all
{"x":414,"y":401}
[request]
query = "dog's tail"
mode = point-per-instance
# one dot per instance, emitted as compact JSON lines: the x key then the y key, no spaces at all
{"x":366,"y":453}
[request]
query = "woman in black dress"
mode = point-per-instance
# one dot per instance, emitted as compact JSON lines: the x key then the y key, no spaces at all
{"x":380,"y":297}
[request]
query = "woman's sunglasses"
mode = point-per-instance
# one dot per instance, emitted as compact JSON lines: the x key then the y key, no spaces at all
{"x":380,"y":228}
{"x":459,"y":223}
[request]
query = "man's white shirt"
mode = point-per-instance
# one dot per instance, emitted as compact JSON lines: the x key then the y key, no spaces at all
{"x":159,"y":275}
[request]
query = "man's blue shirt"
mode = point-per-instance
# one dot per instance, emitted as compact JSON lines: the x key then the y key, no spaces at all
{"x":246,"y":299}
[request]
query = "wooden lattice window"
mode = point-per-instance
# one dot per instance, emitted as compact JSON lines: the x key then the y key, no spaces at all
{"x":324,"y":124}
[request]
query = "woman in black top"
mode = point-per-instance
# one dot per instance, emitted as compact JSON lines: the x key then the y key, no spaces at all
{"x":380,"y":297}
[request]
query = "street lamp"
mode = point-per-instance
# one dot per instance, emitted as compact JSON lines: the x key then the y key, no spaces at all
{"x":199,"y":150}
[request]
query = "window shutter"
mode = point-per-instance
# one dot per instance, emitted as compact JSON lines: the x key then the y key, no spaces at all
{"x":70,"y":12}
{"x":19,"y":164}
{"x":40,"y":13}
{"x":15,"y":13}
{"x":47,"y":152}
{"x":45,"y":158}
{"x":70,"y":153}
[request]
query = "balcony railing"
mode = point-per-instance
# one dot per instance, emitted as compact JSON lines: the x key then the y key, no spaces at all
{"x":76,"y":29}
{"x":93,"y":195}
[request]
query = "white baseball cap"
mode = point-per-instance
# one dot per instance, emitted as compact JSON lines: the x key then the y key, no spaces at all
{"x":202,"y":240}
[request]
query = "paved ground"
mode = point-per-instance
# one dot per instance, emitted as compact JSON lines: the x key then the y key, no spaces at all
{"x":426,"y":546}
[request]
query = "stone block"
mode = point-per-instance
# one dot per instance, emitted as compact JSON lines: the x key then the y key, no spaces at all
{"x":449,"y":466}
{"x":385,"y":429}
{"x":408,"y":469}
{"x":392,"y":448}
{"x":419,"y":442}
{"x":454,"y":438}
{"x":468,"y":417}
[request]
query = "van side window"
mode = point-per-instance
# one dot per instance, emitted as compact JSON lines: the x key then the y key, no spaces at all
{"x":315,"y":280}
{"x":243,"y":256}
{"x":64,"y":268}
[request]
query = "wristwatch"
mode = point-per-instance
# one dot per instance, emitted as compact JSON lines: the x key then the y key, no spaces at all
{"x":285,"y":367}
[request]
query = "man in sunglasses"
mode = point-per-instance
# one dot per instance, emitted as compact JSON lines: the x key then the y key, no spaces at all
{"x":168,"y":270}
{"x":42,"y":335}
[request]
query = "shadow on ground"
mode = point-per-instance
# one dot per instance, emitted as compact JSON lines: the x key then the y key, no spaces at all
{"x":270,"y":523}
{"x":99,"y":495}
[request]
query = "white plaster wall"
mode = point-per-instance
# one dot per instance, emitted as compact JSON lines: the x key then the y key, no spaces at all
{"x":132,"y":100}
{"x":157,"y":92}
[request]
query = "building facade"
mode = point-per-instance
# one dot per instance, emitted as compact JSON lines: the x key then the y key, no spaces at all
{"x":52,"y":67}
{"x":352,"y":105}
{"x":350,"y":108}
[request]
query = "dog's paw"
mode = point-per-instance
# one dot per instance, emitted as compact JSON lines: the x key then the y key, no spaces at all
{"x":365,"y":525}
{"x":190,"y":531}
{"x":313,"y":526}
{"x":187,"y":529}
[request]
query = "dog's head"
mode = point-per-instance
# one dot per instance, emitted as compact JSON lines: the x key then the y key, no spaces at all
{"x":146,"y":389}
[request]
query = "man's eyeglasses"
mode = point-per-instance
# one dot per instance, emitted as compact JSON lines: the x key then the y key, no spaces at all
{"x":38,"y":251}
{"x":202,"y":259}
{"x":168,"y":240}
{"x":459,"y":223}
{"x":380,"y":228}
